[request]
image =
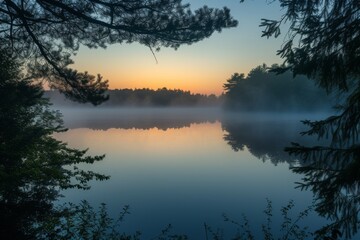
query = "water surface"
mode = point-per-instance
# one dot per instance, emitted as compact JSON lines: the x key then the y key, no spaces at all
{"x":188,"y":167}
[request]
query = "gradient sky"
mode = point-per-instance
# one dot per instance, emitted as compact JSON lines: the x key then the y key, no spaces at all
{"x":202,"y":67}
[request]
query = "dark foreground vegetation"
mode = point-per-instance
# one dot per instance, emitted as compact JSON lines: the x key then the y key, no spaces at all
{"x":34,"y":165}
{"x":86,"y":222}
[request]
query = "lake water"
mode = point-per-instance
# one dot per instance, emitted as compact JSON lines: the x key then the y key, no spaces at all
{"x":186,"y":167}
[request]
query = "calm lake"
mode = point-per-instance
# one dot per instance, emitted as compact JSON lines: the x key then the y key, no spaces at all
{"x":187,"y":167}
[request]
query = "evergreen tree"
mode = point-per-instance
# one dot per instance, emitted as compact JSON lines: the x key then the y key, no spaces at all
{"x":266,"y":91}
{"x":323,"y":42}
{"x":34,"y":166}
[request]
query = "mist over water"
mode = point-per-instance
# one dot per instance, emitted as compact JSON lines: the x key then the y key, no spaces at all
{"x":138,"y":118}
{"x":170,"y":117}
{"x":188,"y":166}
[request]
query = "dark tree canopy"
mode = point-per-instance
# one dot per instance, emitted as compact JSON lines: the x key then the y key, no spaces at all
{"x":26,"y":127}
{"x":34,"y":166}
{"x":48,"y":32}
{"x":323,"y":42}
{"x":145,"y":97}
{"x":262,"y":90}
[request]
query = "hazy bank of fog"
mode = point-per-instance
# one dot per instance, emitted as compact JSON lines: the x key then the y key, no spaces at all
{"x":138,"y":118}
{"x":171,"y":117}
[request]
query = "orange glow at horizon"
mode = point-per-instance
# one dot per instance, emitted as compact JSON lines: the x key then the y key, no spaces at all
{"x":194,"y":84}
{"x":175,"y":70}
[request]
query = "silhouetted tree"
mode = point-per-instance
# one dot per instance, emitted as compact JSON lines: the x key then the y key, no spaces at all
{"x":262,"y":90}
{"x":48,"y":32}
{"x":323,"y":42}
{"x":144,"y":97}
{"x":34,"y":166}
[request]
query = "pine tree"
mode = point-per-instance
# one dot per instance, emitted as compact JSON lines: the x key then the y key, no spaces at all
{"x":323,"y":42}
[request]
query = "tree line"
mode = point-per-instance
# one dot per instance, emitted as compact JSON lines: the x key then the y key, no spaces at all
{"x":263,"y":90}
{"x":144,"y":97}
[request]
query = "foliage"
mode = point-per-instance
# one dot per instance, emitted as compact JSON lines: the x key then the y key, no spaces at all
{"x":145,"y":97}
{"x":47,"y":32}
{"x":323,"y":43}
{"x":289,"y":229}
{"x":262,"y":90}
{"x":33,"y":165}
{"x":333,"y":175}
{"x":84,"y":222}
{"x":27,"y":125}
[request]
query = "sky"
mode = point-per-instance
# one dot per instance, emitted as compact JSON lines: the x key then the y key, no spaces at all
{"x":202,"y":67}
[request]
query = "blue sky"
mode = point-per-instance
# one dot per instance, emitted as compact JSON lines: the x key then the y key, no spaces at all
{"x":202,"y":67}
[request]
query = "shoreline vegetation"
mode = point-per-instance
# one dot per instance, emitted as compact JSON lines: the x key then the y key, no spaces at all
{"x":143,"y":97}
{"x":83,"y":221}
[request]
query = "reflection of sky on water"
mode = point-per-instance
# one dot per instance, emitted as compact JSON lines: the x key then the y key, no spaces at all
{"x":184,"y":176}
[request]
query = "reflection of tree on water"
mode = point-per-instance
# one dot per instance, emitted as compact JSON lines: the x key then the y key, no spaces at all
{"x":264,"y":136}
{"x":332,"y":173}
{"x":33,"y":165}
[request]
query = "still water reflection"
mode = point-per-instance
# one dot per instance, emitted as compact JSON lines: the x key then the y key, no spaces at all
{"x":187,"y":167}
